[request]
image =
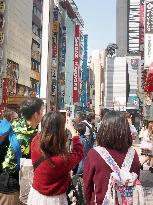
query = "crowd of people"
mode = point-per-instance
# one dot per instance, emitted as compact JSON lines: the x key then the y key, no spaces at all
{"x":59,"y":163}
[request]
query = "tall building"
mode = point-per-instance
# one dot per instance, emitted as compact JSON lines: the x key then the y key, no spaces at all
{"x":115,"y":83}
{"x":97,"y":65}
{"x":20,"y":46}
{"x":121,"y":27}
{"x":128,"y":41}
{"x":127,"y":27}
{"x":65,"y":55}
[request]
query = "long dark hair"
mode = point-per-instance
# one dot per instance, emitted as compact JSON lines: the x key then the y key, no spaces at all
{"x":53,"y":139}
{"x":114,"y":132}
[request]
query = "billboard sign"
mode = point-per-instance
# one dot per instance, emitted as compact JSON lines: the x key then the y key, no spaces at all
{"x":84,"y":75}
{"x":76,"y":64}
{"x":148,"y":54}
{"x":149,"y":17}
{"x":133,"y":26}
{"x":63,"y":46}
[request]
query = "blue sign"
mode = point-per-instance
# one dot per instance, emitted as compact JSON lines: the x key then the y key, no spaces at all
{"x":63,"y":46}
{"x":84,"y":75}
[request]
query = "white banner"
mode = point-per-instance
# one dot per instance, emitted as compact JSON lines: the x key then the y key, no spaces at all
{"x":148,"y":53}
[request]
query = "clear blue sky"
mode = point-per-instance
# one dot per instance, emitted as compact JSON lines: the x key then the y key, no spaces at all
{"x":100,"y":21}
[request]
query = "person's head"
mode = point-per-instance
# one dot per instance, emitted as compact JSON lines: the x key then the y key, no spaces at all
{"x":150,"y":128}
{"x":53,"y":139}
{"x":114,"y":132}
{"x":102,"y":112}
{"x":91,"y":118}
{"x":10,"y":115}
{"x":32,"y":110}
{"x":81,"y":128}
{"x":79,"y":117}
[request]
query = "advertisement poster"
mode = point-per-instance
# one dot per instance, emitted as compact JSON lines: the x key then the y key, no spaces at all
{"x":76,"y":64}
{"x":84,"y":74}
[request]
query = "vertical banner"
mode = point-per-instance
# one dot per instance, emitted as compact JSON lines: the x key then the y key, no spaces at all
{"x":84,"y":75}
{"x":133,"y":26}
{"x":148,"y":33}
{"x":54,"y":63}
{"x":63,"y":46}
{"x":76,"y":64}
{"x":141,"y":26}
{"x":5,"y":91}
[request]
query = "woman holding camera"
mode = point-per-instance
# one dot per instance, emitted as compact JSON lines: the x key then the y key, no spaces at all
{"x":51,"y":178}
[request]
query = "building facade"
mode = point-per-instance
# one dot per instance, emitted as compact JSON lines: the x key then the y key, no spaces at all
{"x":121,"y":27}
{"x":97,"y":65}
{"x":20,"y":49}
{"x":129,"y":40}
{"x":115,"y":83}
{"x":66,"y":55}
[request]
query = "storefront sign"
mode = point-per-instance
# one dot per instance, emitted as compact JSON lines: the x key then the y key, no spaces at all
{"x":54,"y":73}
{"x":55,"y":28}
{"x":54,"y":45}
{"x":53,"y":88}
{"x":76,"y":64}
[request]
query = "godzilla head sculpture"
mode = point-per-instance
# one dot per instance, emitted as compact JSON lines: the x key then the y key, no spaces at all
{"x":110,"y":50}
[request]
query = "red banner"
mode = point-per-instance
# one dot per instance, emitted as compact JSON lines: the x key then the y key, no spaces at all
{"x":76,"y":64}
{"x":5,"y":91}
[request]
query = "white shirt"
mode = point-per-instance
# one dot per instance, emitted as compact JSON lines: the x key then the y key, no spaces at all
{"x":87,"y":133}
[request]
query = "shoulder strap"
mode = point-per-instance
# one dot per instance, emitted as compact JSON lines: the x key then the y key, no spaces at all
{"x":129,"y":159}
{"x":108,"y":158}
{"x":86,"y":124}
{"x":37,"y":163}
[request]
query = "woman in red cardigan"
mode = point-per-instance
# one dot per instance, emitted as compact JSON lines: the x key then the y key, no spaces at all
{"x":114,"y":134}
{"x":51,"y":178}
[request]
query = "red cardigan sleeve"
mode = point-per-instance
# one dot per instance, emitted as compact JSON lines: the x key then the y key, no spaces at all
{"x":76,"y":155}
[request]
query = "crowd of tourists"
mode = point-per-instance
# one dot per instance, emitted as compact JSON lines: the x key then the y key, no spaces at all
{"x":74,"y":161}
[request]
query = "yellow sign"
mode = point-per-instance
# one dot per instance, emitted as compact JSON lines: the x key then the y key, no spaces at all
{"x":2,"y":6}
{"x":16,"y":100}
{"x":55,"y":28}
{"x":35,"y":75}
{"x":1,"y":37}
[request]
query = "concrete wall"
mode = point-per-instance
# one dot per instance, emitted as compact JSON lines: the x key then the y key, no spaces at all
{"x":115,"y":83}
{"x":19,"y":36}
{"x":97,"y":64}
{"x":121,"y":27}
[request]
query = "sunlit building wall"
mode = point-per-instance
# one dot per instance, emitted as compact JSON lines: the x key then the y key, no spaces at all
{"x":22,"y":48}
{"x":97,"y":65}
{"x":69,"y":65}
{"x":121,"y":27}
{"x":115,"y":83}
